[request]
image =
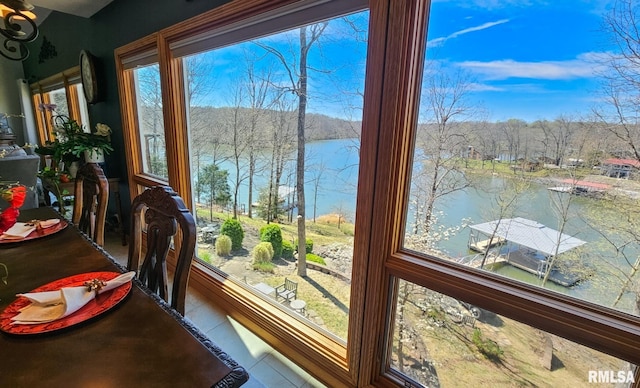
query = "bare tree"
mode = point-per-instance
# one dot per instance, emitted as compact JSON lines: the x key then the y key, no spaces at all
{"x":282,"y":143}
{"x":238,"y":128}
{"x":440,"y":141}
{"x":150,"y":114}
{"x":512,"y":130}
{"x":622,"y":75}
{"x":257,"y":90}
{"x":316,"y":180}
{"x":558,"y":136}
{"x":298,"y":79}
{"x":204,"y":138}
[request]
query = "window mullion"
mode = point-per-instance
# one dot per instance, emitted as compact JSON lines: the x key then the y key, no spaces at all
{"x":391,"y":107}
{"x":175,"y":120}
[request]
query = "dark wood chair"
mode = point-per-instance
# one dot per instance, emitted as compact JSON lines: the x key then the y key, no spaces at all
{"x":90,"y":204}
{"x":157,"y":213}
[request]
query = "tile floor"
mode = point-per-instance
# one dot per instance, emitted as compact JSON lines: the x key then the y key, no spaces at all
{"x":267,"y":367}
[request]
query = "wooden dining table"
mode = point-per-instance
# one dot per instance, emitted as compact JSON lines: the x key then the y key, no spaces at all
{"x":139,"y":342}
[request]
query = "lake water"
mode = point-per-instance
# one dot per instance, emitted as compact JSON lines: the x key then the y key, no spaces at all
{"x":331,"y":163}
{"x":337,"y":193}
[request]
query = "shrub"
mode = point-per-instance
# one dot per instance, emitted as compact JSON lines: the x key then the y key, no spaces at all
{"x":262,"y":253}
{"x":272,"y":233}
{"x":223,"y":245}
{"x":233,"y":229}
{"x":204,"y":255}
{"x":264,"y":267}
{"x":287,"y":250}
{"x":309,"y":245}
{"x":315,"y":258}
{"x":490,"y":349}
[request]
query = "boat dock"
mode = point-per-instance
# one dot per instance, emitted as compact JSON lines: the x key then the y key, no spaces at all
{"x":475,"y":261}
{"x":482,"y":245}
{"x":537,"y":267}
{"x":526,"y":245}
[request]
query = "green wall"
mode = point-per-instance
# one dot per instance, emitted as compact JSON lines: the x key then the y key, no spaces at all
{"x":119,"y":23}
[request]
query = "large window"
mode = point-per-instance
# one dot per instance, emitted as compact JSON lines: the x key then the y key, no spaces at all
{"x":151,"y":128}
{"x":452,"y":146}
{"x":64,"y":91}
{"x":249,"y":104}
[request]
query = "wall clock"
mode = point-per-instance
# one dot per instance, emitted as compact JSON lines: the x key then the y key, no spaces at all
{"x":88,"y":76}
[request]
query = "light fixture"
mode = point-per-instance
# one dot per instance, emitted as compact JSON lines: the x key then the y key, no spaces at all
{"x":15,"y":18}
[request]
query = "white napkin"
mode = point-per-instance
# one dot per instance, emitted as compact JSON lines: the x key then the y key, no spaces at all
{"x":17,"y":231}
{"x":49,"y":306}
{"x":49,"y":223}
{"x":21,"y":230}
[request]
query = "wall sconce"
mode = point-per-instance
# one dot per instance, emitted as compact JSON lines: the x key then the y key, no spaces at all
{"x":17,"y":28}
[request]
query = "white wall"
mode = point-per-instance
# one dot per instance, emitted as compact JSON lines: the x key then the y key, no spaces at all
{"x":10,"y":98}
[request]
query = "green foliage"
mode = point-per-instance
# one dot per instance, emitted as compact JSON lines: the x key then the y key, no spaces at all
{"x":271,"y":233}
{"x":309,"y":245}
{"x":233,"y":229}
{"x":214,"y":184}
{"x":264,"y":267}
{"x":204,"y":255}
{"x":71,"y":140}
{"x":262,"y":253}
{"x":287,"y":250}
{"x":269,"y":206}
{"x":315,"y":258}
{"x":223,"y":245}
{"x":490,"y":349}
{"x":435,"y":314}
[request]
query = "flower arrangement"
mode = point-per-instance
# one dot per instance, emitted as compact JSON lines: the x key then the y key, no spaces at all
{"x":14,"y":194}
{"x":72,"y":140}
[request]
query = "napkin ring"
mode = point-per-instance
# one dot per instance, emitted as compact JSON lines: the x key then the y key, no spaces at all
{"x":34,"y":223}
{"x":95,"y":285}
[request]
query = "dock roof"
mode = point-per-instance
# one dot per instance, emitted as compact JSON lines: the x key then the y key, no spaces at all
{"x":530,"y":234}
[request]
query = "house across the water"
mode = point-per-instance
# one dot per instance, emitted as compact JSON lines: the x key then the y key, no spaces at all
{"x":620,"y":168}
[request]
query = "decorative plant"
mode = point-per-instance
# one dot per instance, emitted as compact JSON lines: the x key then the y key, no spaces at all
{"x":56,"y":178}
{"x":72,"y":140}
{"x":233,"y":229}
{"x":14,"y":194}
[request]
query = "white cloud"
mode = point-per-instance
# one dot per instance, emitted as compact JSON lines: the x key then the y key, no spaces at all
{"x":477,"y":87}
{"x":583,"y":66}
{"x":493,"y":4}
{"x":439,"y":41}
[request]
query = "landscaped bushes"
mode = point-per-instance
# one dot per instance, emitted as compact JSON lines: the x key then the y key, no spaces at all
{"x":233,"y":229}
{"x":315,"y":258}
{"x":223,"y":245}
{"x":272,"y":234}
{"x":309,"y":246}
{"x":287,"y":250}
{"x":263,"y":252}
{"x":262,"y":256}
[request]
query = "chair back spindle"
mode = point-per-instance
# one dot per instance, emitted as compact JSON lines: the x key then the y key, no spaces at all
{"x":90,"y":204}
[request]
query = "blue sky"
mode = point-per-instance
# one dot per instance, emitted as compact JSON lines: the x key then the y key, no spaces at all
{"x":528,"y":59}
{"x":525,"y":59}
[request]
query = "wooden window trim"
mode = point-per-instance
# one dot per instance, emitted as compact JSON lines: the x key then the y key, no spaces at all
{"x":394,"y":74}
{"x":129,"y":112}
{"x":67,"y":80}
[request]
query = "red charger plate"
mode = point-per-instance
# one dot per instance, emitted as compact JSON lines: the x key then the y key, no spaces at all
{"x":97,"y":306}
{"x":38,"y":233}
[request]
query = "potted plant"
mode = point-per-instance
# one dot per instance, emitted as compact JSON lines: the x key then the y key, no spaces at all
{"x":94,"y":145}
{"x":62,"y":148}
{"x":72,"y":142}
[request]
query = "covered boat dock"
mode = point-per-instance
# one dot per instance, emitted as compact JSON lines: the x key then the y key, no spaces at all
{"x":528,"y":245}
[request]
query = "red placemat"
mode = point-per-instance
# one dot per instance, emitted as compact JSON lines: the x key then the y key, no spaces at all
{"x":38,"y":233}
{"x":95,"y":307}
